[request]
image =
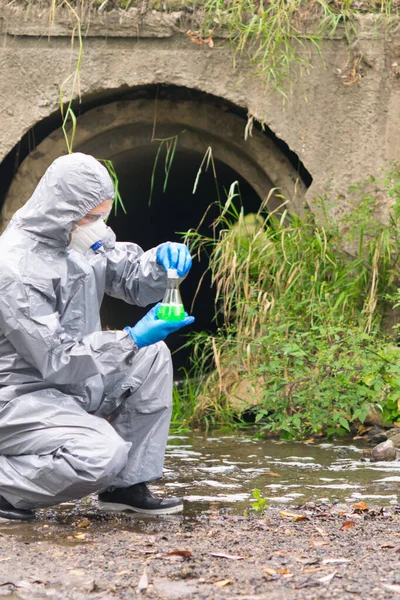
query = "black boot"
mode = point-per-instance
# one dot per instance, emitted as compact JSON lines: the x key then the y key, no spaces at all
{"x":7,"y":511}
{"x":139,"y":499}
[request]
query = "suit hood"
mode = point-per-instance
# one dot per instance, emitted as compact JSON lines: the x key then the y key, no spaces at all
{"x":70,"y":188}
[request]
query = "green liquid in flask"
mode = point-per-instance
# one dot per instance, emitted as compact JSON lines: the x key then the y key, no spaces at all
{"x":171,"y":312}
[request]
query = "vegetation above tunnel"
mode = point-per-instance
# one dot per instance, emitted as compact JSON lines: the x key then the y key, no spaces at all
{"x":272,"y":35}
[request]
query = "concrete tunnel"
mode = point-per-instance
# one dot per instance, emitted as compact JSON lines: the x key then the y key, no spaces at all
{"x":129,"y":130}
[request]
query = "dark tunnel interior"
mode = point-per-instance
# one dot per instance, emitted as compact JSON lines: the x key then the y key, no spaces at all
{"x":164,"y":216}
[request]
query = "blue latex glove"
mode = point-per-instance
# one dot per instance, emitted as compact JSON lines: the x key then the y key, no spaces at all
{"x":172,"y":255}
{"x":151,"y":330}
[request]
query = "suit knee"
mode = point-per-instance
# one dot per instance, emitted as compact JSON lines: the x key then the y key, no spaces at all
{"x":115,"y":459}
{"x":163,"y":351}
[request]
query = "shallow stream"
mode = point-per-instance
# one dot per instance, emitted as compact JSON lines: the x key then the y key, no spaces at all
{"x":223,"y":471}
{"x":220,"y":472}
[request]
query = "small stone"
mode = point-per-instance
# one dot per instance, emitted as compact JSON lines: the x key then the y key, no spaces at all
{"x":376,"y":435}
{"x":394,"y":436}
{"x":384,"y":451}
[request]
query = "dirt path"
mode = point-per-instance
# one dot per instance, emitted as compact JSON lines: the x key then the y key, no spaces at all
{"x":311,"y":552}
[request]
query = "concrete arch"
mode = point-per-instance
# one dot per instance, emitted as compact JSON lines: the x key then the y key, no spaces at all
{"x":112,"y":129}
{"x":327,"y":124}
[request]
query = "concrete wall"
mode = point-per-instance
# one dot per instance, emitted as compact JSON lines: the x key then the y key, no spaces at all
{"x":341,"y":130}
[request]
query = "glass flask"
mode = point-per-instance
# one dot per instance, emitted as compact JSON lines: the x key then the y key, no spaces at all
{"x":171,"y":308}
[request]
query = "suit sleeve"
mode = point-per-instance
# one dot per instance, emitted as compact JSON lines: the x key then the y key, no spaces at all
{"x":30,"y":321}
{"x":133,"y":275}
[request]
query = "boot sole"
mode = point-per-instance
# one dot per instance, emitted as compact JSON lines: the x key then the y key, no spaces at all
{"x":114,"y":507}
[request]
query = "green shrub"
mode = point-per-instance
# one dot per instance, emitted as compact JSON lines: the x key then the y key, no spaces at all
{"x":302,"y":318}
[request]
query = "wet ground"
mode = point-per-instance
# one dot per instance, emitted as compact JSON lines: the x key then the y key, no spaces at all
{"x":332,"y":531}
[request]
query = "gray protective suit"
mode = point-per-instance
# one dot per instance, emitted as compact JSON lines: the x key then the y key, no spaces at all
{"x":81,"y":409}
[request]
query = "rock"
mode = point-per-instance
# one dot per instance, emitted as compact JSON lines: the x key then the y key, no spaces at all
{"x":374,"y":417}
{"x":394,"y":435}
{"x":384,"y":451}
{"x":246,"y":393}
{"x":376,"y":435}
{"x":366,"y":453}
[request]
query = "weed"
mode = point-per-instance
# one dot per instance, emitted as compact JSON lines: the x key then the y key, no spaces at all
{"x":118,"y":202}
{"x":184,"y":396}
{"x":258,"y":504}
{"x":273,"y":34}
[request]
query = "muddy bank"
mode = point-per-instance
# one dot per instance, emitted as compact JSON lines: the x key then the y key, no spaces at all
{"x":310,"y":552}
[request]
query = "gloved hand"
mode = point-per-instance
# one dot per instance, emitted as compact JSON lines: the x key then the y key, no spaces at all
{"x":151,"y":330}
{"x":172,"y":255}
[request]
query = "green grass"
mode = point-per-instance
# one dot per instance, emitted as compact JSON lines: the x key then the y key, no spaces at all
{"x":273,"y":35}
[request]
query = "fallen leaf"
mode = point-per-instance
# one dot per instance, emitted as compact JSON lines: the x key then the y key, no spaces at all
{"x":363,"y":429}
{"x":269,"y":571}
{"x":198,"y":39}
{"x":309,"y":441}
{"x":84,"y":523}
{"x":347,"y":525}
{"x":4,"y":559}
{"x":388,"y":546}
{"x":271,"y":474}
{"x":360,"y":506}
{"x":228,"y":556}
{"x":288,"y":514}
{"x":327,"y":578}
{"x":285,"y":571}
{"x":300,"y":518}
{"x":329,"y":561}
{"x":143,"y":582}
{"x":80,"y":536}
{"x":223,"y":583}
{"x":122,"y":572}
{"x":183,"y":553}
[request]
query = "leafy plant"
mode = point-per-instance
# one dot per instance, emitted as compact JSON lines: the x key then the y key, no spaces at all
{"x":258,"y":504}
{"x":302,"y":319}
{"x":183,"y":401}
{"x":68,"y":114}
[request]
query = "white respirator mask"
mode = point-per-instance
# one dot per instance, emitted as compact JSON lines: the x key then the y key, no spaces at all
{"x":84,"y":237}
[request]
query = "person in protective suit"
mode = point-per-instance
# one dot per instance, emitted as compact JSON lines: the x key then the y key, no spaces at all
{"x":81,"y":410}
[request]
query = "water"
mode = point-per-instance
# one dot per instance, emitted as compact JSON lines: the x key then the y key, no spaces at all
{"x":222,"y":471}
